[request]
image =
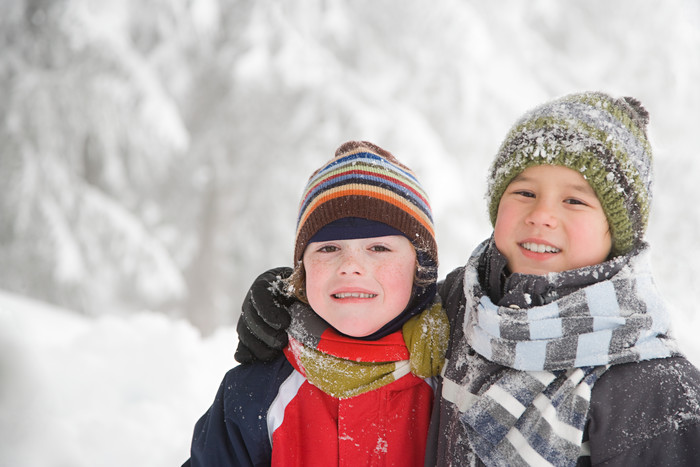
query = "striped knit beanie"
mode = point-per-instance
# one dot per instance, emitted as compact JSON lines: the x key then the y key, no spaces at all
{"x":599,"y":136}
{"x":366,"y":181}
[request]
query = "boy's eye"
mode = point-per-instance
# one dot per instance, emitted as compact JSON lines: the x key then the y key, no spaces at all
{"x":328,"y":249}
{"x":379,"y":248}
{"x":575,"y":201}
{"x":525,"y":193}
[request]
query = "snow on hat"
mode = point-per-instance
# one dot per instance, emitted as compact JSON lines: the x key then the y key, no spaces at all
{"x":366,"y":181}
{"x":599,"y":136}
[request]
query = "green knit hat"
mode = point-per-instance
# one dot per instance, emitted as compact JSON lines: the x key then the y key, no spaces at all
{"x":599,"y":136}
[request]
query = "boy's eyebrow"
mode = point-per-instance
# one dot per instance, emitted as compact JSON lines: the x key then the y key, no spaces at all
{"x":585,"y":188}
{"x":520,"y":178}
{"x":582,"y":187}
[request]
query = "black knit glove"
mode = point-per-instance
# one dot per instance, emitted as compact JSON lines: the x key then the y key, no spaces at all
{"x":262,"y":326}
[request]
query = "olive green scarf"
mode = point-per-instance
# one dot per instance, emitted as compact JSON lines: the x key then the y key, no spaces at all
{"x":345,"y":367}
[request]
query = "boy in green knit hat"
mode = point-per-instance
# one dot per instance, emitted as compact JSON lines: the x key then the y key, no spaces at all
{"x":559,"y":350}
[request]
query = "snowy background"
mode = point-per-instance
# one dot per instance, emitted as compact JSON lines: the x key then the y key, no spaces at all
{"x":153,"y":153}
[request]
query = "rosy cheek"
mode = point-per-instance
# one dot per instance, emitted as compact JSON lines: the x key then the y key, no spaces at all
{"x":315,"y":273}
{"x":396,"y":275}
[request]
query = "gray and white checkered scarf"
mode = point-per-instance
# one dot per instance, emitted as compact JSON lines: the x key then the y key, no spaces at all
{"x":569,"y":328}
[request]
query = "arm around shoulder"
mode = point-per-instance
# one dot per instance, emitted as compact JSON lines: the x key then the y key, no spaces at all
{"x":451,"y":292}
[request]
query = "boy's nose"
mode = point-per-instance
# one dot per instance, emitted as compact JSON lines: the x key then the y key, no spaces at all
{"x":543,"y":214}
{"x":350,"y":264}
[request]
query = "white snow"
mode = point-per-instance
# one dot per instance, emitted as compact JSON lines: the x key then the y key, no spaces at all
{"x":106,"y":391}
{"x":437,"y":84}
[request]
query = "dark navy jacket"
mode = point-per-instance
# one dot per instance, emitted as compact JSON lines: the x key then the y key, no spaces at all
{"x":641,"y":414}
{"x":262,"y":404}
{"x":223,"y":438}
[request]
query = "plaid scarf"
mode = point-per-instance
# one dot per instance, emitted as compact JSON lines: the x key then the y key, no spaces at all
{"x":533,"y":410}
{"x":346,"y":367}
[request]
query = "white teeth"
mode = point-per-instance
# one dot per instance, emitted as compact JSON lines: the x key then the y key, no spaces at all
{"x":354,"y":295}
{"x":539,"y":248}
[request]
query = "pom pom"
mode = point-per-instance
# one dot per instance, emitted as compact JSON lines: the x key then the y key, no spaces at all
{"x":639,"y":113}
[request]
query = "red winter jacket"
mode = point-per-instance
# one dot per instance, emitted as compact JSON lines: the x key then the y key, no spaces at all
{"x":269,"y":413}
{"x":383,"y":427}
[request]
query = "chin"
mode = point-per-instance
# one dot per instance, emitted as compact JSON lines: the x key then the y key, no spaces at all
{"x":355,"y":331}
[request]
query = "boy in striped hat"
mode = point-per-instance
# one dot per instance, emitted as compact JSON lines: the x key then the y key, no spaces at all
{"x":366,"y":336}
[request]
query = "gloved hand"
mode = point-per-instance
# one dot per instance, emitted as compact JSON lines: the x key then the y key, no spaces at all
{"x":262,"y":326}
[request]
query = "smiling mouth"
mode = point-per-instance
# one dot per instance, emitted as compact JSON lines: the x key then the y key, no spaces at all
{"x":539,"y":248}
{"x":354,"y":295}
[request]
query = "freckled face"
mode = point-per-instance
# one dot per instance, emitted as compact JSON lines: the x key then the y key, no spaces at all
{"x":359,"y":285}
{"x":550,"y":220}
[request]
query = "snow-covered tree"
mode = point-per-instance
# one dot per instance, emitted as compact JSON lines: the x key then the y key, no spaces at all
{"x":89,"y":138}
{"x":153,"y":151}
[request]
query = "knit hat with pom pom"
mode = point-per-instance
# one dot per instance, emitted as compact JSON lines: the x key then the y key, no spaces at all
{"x":365,"y":182}
{"x":602,"y":138}
{"x":363,"y":192}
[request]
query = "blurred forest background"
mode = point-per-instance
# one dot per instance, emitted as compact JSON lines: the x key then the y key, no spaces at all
{"x":153,"y":151}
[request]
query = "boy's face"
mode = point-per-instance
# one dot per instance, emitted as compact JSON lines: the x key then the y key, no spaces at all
{"x":550,"y":220}
{"x":359,"y":285}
